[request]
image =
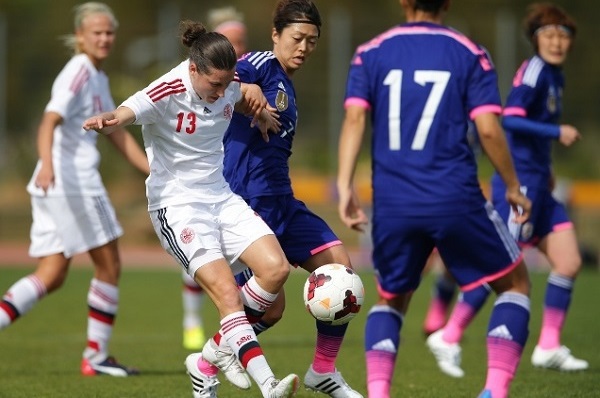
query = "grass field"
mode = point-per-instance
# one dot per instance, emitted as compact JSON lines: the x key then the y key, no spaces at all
{"x":40,"y":354}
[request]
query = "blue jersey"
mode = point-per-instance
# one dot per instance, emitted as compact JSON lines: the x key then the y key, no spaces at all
{"x":536,"y":95}
{"x":252,"y":166}
{"x":422,"y":83}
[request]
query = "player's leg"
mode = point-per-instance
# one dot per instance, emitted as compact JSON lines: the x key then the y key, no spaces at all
{"x":322,"y":375}
{"x":103,"y":304}
{"x":27,"y":291}
{"x":400,"y":251}
{"x":192,"y":299}
{"x":443,"y":293}
{"x":561,"y":249}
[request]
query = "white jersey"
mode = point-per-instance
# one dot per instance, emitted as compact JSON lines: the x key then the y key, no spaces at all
{"x":183,"y":137}
{"x":79,"y":91}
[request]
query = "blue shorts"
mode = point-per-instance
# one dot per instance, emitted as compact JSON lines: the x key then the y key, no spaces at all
{"x":300,"y":232}
{"x":547,"y":215}
{"x":476,"y":248}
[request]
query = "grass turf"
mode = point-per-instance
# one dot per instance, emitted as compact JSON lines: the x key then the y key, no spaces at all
{"x":40,"y":354}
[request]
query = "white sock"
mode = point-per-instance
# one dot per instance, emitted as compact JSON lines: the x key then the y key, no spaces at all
{"x":20,"y":298}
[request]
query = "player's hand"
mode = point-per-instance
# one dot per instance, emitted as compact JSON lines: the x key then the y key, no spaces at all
{"x":255,"y":101}
{"x":99,"y":122}
{"x":268,"y":121}
{"x":350,"y":212}
{"x":45,"y":178}
{"x":568,"y":135}
{"x":521,"y":205}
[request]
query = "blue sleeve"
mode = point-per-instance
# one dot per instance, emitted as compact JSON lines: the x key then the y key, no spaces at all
{"x":523,"y":125}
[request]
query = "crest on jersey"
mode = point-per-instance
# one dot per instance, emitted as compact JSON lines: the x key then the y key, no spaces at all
{"x":551,"y":104}
{"x":526,"y":231}
{"x":187,"y":235}
{"x":281,"y":101}
{"x":228,"y":112}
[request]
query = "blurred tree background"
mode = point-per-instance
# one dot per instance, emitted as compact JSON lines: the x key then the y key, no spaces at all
{"x":32,"y":54}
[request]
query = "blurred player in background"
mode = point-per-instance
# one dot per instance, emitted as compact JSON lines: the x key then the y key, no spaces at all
{"x":259,"y":172}
{"x":229,"y":23}
{"x":71,"y":209}
{"x":425,"y":188}
{"x":197,"y":218}
{"x":532,"y":121}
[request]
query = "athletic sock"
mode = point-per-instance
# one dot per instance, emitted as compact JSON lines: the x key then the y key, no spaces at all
{"x":329,"y":341}
{"x":20,"y":298}
{"x":103,"y":302}
{"x":506,"y":337}
{"x":556,"y":304}
{"x":192,"y":298}
{"x":382,"y":340}
{"x":256,"y":300}
{"x":464,"y":311}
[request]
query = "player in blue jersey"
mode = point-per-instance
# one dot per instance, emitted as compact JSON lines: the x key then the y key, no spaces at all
{"x":421,"y":82}
{"x":531,"y":119}
{"x":259,"y":172}
{"x":532,"y":122}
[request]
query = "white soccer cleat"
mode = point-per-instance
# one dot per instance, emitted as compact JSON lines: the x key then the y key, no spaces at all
{"x":224,"y":359}
{"x":203,"y":386}
{"x":446,"y":354}
{"x":332,"y":384}
{"x":284,"y":388}
{"x":558,"y":358}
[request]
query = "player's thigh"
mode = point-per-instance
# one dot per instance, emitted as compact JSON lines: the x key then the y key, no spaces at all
{"x":401,"y":246}
{"x":477,"y":246}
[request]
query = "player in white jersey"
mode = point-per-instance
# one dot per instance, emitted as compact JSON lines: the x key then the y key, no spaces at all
{"x":198,"y":219}
{"x":230,"y":23}
{"x":71,"y":209}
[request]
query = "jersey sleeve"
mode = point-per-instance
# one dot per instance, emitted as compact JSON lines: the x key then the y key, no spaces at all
{"x":523,"y":93}
{"x":247,"y":72}
{"x":357,"y":84}
{"x":66,"y":87}
{"x":145,"y":109}
{"x":483,"y":95}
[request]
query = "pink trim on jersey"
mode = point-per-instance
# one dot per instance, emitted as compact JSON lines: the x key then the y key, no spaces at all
{"x":514,"y":111}
{"x":518,"y":79}
{"x":496,"y":109}
{"x":425,"y":30}
{"x":491,"y":278}
{"x":562,"y":226}
{"x":164,"y":89}
{"x":357,"y":102}
{"x":80,"y":79}
{"x":325,"y":247}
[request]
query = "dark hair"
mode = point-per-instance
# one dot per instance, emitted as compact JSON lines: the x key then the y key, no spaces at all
{"x":288,"y":12}
{"x":208,"y":50}
{"x":542,"y":14}
{"x":430,"y":6}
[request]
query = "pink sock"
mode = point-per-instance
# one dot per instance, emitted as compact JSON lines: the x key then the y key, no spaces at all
{"x":380,"y":369}
{"x":552,"y":323}
{"x":207,"y":368}
{"x":326,"y":353}
{"x":455,"y":327}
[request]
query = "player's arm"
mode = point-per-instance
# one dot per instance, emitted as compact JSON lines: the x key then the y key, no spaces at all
{"x":254,"y":103}
{"x":109,"y":122}
{"x":45,"y":139}
{"x":351,"y":138}
{"x":493,"y":142}
{"x":130,"y":149}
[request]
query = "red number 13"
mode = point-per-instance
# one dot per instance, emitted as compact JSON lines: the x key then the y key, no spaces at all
{"x":191,"y":126}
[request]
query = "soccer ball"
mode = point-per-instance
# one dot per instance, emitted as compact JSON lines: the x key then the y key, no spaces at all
{"x":333,"y":294}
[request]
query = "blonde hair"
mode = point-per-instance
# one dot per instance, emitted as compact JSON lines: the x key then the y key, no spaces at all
{"x":82,"y":11}
{"x":219,"y":16}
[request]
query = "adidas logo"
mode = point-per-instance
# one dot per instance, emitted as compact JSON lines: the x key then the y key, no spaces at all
{"x":500,"y":332}
{"x":385,"y":345}
{"x":281,"y":86}
{"x":207,"y":111}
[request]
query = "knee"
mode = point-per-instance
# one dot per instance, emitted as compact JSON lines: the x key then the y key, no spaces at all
{"x":276,"y":269}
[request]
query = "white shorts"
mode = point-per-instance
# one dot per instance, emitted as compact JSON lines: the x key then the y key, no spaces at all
{"x":196,"y":234}
{"x":71,"y":224}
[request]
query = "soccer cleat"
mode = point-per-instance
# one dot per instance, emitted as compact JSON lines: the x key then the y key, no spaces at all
{"x":447,"y":355}
{"x":193,"y":338}
{"x":558,"y":358}
{"x":109,"y":366}
{"x":485,"y":394}
{"x":224,"y":359}
{"x":332,"y":384}
{"x":203,"y":386}
{"x":283,"y":388}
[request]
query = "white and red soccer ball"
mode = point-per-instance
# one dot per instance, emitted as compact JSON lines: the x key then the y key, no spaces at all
{"x":333,"y":294}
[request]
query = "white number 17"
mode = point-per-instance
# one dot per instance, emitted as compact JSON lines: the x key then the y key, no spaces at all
{"x":422,"y":77}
